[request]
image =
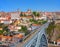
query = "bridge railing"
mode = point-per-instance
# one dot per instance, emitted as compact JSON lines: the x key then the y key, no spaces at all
{"x":38,"y":29}
{"x":35,"y":30}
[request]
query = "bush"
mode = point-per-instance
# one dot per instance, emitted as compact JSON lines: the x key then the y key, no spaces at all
{"x":1,"y":31}
{"x":24,"y":29}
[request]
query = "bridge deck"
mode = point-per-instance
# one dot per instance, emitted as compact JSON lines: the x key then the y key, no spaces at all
{"x":27,"y":39}
{"x":30,"y":36}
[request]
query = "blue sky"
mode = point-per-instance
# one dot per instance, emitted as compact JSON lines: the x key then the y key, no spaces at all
{"x":35,"y":5}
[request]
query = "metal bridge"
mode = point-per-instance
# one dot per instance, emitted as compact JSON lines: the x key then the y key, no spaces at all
{"x":39,"y":39}
{"x":36,"y":39}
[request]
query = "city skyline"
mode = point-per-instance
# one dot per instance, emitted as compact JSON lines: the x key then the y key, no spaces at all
{"x":34,"y":5}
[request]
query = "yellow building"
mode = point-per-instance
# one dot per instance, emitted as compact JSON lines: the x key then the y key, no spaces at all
{"x":17,"y":22}
{"x":1,"y":29}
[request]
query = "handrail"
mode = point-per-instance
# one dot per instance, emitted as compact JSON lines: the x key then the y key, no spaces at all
{"x":32,"y":32}
{"x":36,"y":30}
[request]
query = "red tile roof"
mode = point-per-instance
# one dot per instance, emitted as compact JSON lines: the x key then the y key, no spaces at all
{"x":35,"y":25}
{"x":58,"y":40}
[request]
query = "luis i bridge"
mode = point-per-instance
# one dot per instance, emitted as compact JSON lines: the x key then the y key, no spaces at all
{"x":35,"y":39}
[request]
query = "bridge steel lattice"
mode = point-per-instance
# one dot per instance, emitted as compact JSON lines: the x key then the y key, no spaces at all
{"x":40,"y":39}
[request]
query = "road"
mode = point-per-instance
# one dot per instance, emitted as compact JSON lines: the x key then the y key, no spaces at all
{"x":24,"y":42}
{"x":28,"y":39}
{"x":32,"y":35}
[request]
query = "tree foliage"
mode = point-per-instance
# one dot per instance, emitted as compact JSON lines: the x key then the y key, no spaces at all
{"x":38,"y":21}
{"x":1,"y":31}
{"x":50,"y":29}
{"x":36,"y":13}
{"x":5,"y":28}
{"x":21,"y":14}
{"x":24,"y":30}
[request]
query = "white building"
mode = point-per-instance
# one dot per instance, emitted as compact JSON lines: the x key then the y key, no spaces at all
{"x":6,"y":21}
{"x":44,"y":17}
{"x":15,"y":15}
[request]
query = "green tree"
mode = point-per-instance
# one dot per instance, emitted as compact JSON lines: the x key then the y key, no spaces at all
{"x":24,"y":29}
{"x":43,"y":22}
{"x":21,"y":14}
{"x":1,"y":31}
{"x":50,"y":30}
{"x":31,"y":20}
{"x":24,"y":15}
{"x":36,"y":13}
{"x":5,"y":28}
{"x":1,"y":25}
